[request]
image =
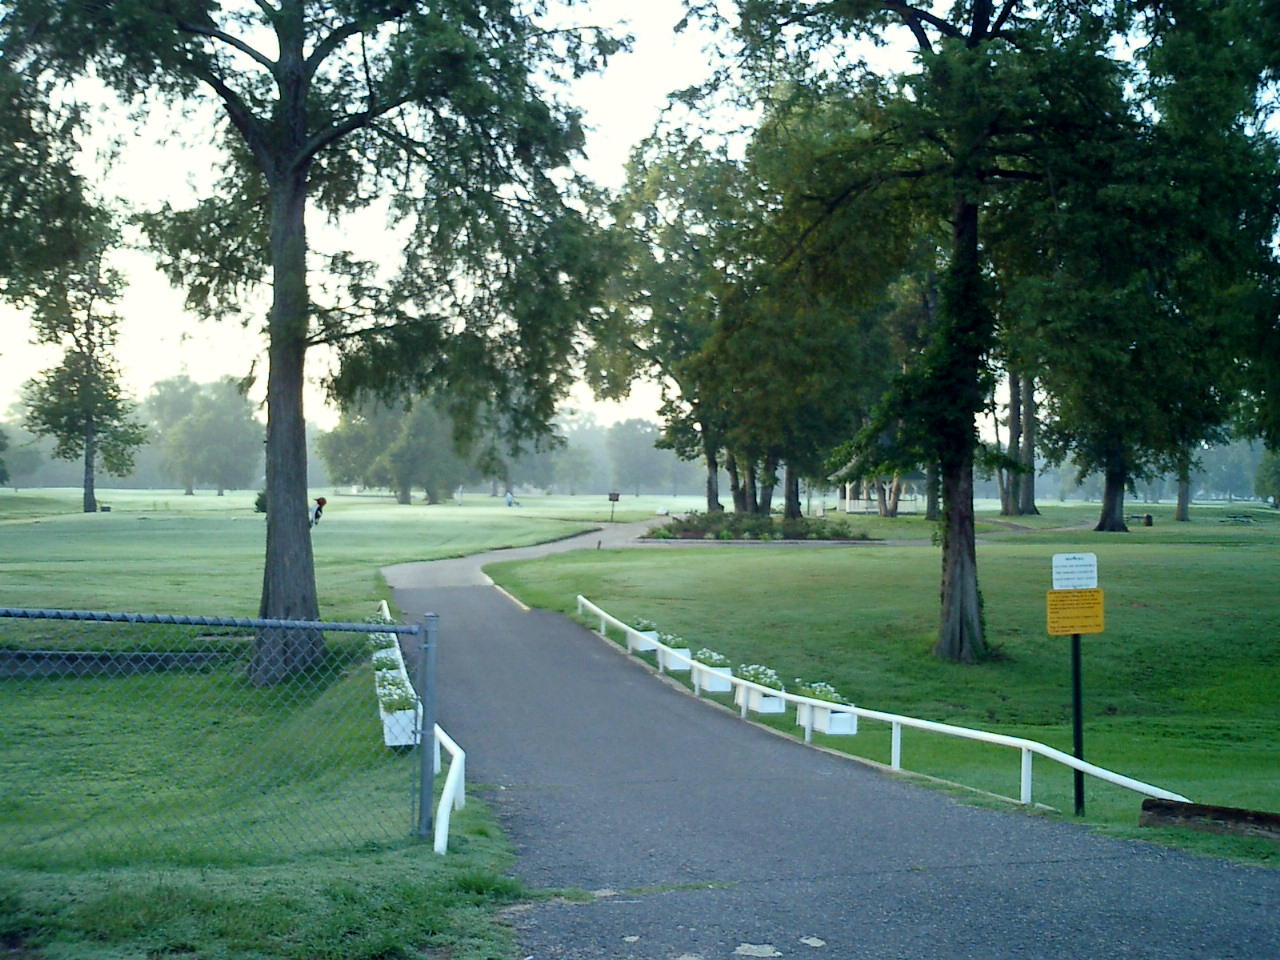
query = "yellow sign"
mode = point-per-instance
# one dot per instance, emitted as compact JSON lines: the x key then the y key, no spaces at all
{"x":1074,"y":611}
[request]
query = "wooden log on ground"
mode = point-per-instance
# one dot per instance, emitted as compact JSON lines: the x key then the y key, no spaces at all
{"x":1201,"y":816}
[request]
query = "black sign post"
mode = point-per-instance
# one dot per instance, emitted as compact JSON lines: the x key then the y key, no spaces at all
{"x":613,"y":502}
{"x":1077,"y":722}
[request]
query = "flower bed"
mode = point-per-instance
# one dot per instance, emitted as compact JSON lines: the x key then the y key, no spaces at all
{"x":745,"y":526}
{"x":397,"y":702}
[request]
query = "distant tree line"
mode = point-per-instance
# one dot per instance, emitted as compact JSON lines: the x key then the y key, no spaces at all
{"x":184,"y":434}
{"x":418,"y":447}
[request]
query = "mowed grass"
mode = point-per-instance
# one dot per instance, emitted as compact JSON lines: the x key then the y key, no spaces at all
{"x":147,"y":753}
{"x":1181,"y":690}
{"x":163,"y":552}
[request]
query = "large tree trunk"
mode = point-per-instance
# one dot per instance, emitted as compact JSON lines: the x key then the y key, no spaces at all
{"x":1027,"y":453}
{"x":965,"y":328}
{"x":736,"y":490}
{"x":882,"y":501}
{"x":895,"y":494}
{"x":767,"y":483}
{"x":90,"y":501}
{"x":791,"y":485}
{"x":404,"y":494}
{"x":931,"y":511}
{"x":749,"y":482}
{"x":289,"y":586}
{"x":709,"y":450}
{"x":960,"y":634}
{"x":1182,"y":513}
{"x":1115,"y":476}
{"x":1011,"y":490}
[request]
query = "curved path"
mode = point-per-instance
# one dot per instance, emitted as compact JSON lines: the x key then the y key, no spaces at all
{"x":702,"y":837}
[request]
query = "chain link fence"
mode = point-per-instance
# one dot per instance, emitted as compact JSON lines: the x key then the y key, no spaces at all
{"x":133,"y":738}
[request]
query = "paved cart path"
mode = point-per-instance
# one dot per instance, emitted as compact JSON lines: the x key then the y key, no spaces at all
{"x":706,"y":838}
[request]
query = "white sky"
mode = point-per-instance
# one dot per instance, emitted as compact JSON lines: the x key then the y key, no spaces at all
{"x":158,"y":339}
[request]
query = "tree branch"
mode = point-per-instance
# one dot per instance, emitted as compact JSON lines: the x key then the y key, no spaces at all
{"x":909,"y":13}
{"x":1005,"y":13}
{"x":341,"y":336}
{"x":231,"y":41}
{"x":328,"y":45}
{"x":240,"y":115}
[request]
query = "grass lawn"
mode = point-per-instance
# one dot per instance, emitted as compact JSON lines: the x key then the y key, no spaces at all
{"x":1180,"y":691}
{"x":163,"y":552}
{"x":64,"y":892}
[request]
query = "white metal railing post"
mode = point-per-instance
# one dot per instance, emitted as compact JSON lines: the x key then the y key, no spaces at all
{"x":1026,"y":776}
{"x":435,"y":746}
{"x":895,"y":750}
{"x":808,"y":725}
{"x":460,"y":800}
{"x":453,"y":793}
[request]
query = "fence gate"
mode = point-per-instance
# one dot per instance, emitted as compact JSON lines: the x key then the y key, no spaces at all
{"x":134,"y":738}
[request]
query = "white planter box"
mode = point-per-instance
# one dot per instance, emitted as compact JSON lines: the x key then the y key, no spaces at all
{"x":643,"y":640}
{"x":713,"y":679}
{"x":759,"y":702}
{"x":827,"y":721}
{"x":399,"y":727}
{"x":669,"y":662}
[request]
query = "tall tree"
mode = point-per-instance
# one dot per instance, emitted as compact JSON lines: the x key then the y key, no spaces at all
{"x":1152,"y":277}
{"x":677,"y":224}
{"x":398,"y":448}
{"x":79,"y":402}
{"x":1002,"y":93}
{"x":218,"y":442}
{"x":960,"y":126}
{"x":443,"y":107}
{"x":169,"y":402}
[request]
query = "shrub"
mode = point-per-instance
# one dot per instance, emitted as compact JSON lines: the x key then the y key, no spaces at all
{"x":750,"y":526}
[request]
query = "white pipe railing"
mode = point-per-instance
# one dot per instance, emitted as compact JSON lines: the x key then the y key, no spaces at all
{"x":454,"y":794}
{"x":1027,"y":748}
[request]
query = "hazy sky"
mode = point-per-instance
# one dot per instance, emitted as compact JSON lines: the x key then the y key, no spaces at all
{"x":159,"y":340}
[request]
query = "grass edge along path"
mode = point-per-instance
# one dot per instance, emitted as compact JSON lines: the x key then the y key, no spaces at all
{"x":1178,"y":691}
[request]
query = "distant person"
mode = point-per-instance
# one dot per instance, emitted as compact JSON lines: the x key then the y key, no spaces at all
{"x":510,"y":498}
{"x":317,"y":510}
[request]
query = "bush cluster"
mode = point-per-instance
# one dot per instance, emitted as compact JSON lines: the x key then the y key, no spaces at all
{"x":750,"y":526}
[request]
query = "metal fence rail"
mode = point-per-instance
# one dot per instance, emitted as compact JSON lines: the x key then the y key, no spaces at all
{"x":1027,"y":748}
{"x":134,"y":738}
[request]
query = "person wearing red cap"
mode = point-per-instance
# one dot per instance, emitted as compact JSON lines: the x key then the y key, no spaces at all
{"x":317,"y":510}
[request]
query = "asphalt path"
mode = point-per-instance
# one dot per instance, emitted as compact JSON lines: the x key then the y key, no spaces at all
{"x":701,"y":837}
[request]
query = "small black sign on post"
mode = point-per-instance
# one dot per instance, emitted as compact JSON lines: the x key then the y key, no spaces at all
{"x":614,"y":497}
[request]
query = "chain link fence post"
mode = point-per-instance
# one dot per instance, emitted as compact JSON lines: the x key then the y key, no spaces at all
{"x":427,"y":732}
